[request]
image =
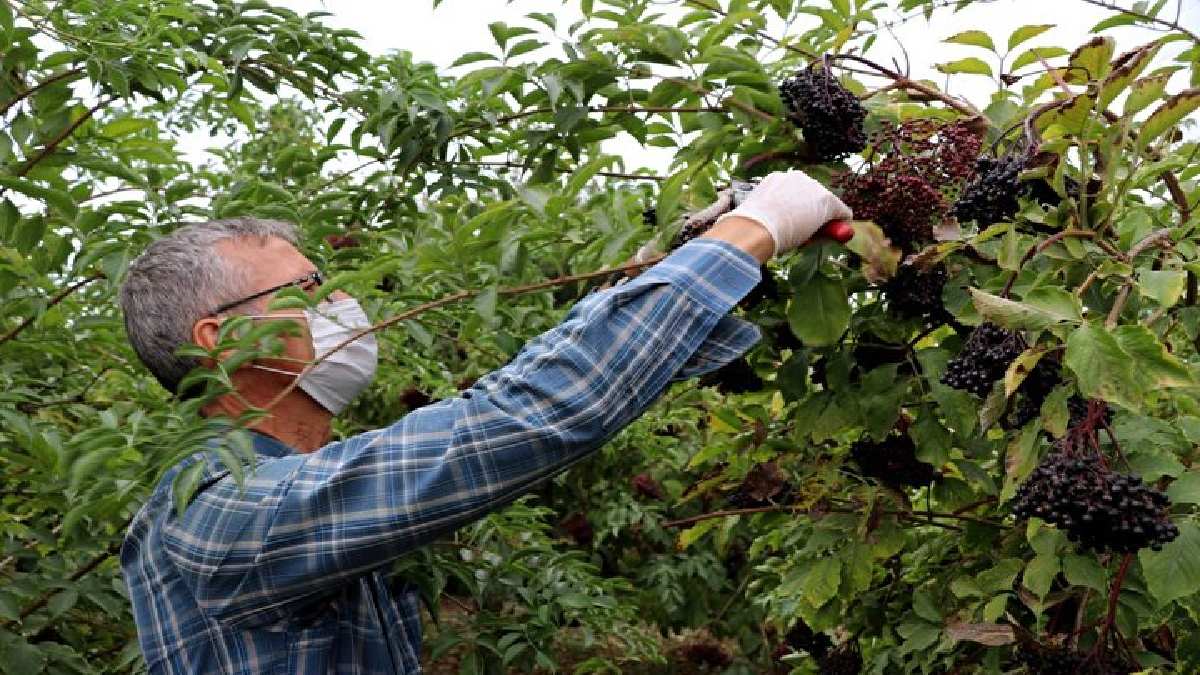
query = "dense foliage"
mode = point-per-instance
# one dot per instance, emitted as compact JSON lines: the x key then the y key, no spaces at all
{"x":898,"y":479}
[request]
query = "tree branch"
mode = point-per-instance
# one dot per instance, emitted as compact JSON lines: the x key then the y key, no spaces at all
{"x":38,"y":87}
{"x":57,"y":298}
{"x":1172,"y":25}
{"x":458,"y":296}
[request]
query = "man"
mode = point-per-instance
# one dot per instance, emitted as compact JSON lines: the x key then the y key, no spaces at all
{"x":287,"y":576}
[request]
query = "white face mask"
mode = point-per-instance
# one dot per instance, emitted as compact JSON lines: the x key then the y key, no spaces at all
{"x":335,"y":381}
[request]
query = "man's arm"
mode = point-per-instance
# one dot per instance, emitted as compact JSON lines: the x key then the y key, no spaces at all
{"x":307,"y":523}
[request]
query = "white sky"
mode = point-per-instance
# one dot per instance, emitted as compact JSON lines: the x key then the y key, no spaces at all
{"x":460,"y":26}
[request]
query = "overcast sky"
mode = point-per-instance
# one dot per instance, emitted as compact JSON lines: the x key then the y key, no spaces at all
{"x":460,"y":26}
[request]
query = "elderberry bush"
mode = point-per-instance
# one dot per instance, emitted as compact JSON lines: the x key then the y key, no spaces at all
{"x":892,"y":461}
{"x":983,"y":359}
{"x":1098,"y":508}
{"x":916,"y":294}
{"x":830,"y":116}
{"x":991,"y":195}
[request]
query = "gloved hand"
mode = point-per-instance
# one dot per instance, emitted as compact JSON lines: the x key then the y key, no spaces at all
{"x":792,"y":207}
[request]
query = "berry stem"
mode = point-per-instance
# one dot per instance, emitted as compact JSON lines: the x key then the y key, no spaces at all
{"x":1114,"y":595}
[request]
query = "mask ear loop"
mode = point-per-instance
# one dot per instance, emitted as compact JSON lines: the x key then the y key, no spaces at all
{"x":303,"y":362}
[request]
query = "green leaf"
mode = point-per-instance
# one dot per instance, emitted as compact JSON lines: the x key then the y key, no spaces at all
{"x":819,"y":311}
{"x":1039,"y":574}
{"x":1185,"y":489}
{"x":970,"y":65}
{"x":1174,"y":572}
{"x":1041,"y":308}
{"x":1091,"y":61}
{"x":1081,"y":570}
{"x":125,"y":126}
{"x":1025,"y":33}
{"x":473,"y":57}
{"x":49,"y":196}
{"x":822,"y":581}
{"x":1168,"y":115}
{"x":1122,"y":366}
{"x":20,"y":657}
{"x":185,"y":483}
{"x":974,"y":38}
{"x":1163,"y":286}
{"x":696,"y":532}
{"x":1036,"y":54}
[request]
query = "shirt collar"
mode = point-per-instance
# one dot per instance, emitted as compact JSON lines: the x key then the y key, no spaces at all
{"x":271,"y":447}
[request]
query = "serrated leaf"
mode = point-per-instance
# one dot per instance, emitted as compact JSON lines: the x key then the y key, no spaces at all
{"x":473,"y":57}
{"x":1122,"y":366}
{"x":974,"y":38}
{"x":970,"y":65}
{"x":1168,"y":115}
{"x":1174,"y":572}
{"x":125,"y":126}
{"x":1025,"y":33}
{"x":819,"y":311}
{"x":822,"y":581}
{"x":1040,"y":309}
{"x":695,"y":532}
{"x":1163,"y":286}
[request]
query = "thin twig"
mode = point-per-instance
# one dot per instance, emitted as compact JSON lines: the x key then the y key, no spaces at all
{"x":38,"y":87}
{"x":1038,"y":248}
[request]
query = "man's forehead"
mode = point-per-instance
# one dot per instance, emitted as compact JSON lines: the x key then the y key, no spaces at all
{"x":271,"y":261}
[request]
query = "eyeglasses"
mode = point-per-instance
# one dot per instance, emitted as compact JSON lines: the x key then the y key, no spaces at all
{"x":314,"y":276}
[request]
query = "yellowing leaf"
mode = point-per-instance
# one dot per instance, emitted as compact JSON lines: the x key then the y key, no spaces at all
{"x":1144,"y":92}
{"x":1163,"y":286}
{"x":1170,"y":113}
{"x":1019,"y":369}
{"x":1091,"y":61}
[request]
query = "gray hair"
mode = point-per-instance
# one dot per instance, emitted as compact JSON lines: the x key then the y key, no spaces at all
{"x":180,"y":279}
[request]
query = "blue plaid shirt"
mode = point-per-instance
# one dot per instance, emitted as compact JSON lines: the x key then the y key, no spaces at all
{"x":288,"y":576}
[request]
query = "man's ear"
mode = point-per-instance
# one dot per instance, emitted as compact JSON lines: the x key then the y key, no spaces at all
{"x":205,"y":332}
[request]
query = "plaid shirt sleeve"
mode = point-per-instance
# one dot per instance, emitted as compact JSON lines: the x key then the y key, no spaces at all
{"x":303,"y":524}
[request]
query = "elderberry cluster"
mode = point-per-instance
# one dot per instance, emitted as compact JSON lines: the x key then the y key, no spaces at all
{"x":916,"y":170}
{"x":892,"y":461}
{"x":830,"y":115}
{"x":983,"y":359}
{"x":1098,"y":508}
{"x":991,"y":195}
{"x":917,"y":294}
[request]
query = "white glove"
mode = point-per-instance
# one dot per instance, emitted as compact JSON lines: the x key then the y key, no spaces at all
{"x":792,"y":207}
